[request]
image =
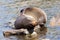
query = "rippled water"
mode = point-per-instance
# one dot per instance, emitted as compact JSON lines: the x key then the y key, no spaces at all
{"x":9,"y":10}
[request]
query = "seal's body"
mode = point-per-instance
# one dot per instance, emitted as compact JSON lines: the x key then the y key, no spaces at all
{"x":29,"y":18}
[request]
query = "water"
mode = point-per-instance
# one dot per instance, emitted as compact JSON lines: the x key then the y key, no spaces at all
{"x":9,"y":10}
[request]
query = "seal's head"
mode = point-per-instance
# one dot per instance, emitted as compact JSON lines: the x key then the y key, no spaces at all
{"x":25,"y":22}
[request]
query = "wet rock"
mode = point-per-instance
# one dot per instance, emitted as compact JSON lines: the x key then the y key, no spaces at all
{"x":15,"y":32}
{"x":55,"y":20}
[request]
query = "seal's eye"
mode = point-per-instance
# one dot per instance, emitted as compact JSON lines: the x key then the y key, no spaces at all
{"x":22,"y":10}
